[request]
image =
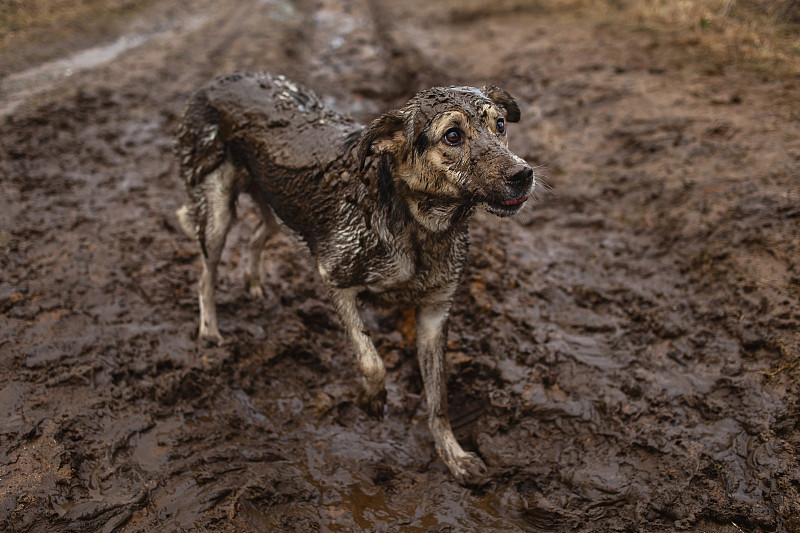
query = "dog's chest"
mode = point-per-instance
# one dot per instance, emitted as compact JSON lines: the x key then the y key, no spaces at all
{"x":410,"y":269}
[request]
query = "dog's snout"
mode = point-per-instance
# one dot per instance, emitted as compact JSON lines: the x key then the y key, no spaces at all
{"x":520,"y":175}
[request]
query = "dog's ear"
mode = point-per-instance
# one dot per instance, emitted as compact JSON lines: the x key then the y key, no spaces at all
{"x":386,"y":134}
{"x":504,"y":100}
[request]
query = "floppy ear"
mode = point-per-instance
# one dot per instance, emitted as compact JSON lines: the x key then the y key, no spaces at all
{"x":387,"y":133}
{"x":504,"y":100}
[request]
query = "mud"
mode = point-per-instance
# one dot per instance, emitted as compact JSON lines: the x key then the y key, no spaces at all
{"x":623,"y":355}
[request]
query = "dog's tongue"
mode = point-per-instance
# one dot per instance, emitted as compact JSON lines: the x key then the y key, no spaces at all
{"x":515,"y":201}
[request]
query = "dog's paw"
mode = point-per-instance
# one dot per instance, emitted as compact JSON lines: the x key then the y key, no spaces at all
{"x":211,"y":337}
{"x":468,"y":469}
{"x":255,"y":291}
{"x":254,"y":288}
{"x":374,"y":405}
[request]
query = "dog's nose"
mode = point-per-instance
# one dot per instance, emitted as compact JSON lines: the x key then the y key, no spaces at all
{"x":520,"y":175}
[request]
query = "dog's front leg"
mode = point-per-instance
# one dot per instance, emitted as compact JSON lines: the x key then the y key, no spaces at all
{"x":431,"y":328}
{"x":372,"y":395}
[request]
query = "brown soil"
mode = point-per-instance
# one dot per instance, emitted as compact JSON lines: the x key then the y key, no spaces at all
{"x":623,"y":355}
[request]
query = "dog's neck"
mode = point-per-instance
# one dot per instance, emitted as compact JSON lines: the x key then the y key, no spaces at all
{"x":436,"y":214}
{"x":431,"y":213}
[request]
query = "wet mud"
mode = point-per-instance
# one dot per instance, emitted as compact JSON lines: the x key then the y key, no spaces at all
{"x":623,"y":354}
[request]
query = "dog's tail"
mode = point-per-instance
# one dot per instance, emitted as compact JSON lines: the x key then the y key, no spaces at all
{"x":200,"y":151}
{"x":198,"y":146}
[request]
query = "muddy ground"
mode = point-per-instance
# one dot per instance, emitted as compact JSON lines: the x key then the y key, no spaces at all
{"x":623,"y":354}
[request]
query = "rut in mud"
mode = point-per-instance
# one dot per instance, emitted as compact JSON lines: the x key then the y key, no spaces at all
{"x":623,"y":355}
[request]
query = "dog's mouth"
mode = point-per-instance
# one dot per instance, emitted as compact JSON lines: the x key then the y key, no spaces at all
{"x":505,"y":208}
{"x":515,"y":201}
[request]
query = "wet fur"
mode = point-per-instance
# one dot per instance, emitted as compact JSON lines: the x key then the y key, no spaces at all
{"x":384,"y":209}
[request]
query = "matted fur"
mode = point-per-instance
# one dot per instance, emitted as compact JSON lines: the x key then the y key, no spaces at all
{"x":383,"y":209}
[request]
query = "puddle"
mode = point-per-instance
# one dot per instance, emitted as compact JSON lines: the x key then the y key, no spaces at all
{"x":18,"y":87}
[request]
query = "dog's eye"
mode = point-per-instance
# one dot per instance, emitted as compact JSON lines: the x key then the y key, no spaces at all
{"x":453,"y":137}
{"x":501,"y":126}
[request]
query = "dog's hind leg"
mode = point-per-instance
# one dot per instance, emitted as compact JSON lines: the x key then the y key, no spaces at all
{"x":215,"y":219}
{"x":186,"y":221}
{"x":431,"y":326}
{"x":372,"y":395}
{"x":266,"y":229}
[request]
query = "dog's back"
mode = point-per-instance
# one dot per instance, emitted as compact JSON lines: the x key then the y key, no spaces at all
{"x":281,"y":140}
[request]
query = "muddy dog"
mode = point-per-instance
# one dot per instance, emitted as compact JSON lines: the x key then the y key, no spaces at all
{"x":384,"y":210}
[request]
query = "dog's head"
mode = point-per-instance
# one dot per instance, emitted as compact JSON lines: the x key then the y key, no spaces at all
{"x":448,"y":148}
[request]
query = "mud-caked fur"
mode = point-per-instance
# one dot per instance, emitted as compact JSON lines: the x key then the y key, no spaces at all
{"x":384,"y":209}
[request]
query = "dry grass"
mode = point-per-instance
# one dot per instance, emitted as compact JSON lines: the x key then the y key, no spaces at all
{"x":764,"y":34}
{"x":36,"y":30}
{"x":761,"y":33}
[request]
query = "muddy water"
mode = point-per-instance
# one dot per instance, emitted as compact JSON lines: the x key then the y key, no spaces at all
{"x":18,"y":87}
{"x":620,"y":354}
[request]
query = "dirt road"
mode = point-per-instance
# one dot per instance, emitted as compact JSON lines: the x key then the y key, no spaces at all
{"x":623,"y":355}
